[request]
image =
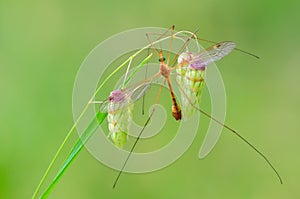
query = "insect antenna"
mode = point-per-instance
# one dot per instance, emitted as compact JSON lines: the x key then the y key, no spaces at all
{"x":233,"y":131}
{"x":248,"y":53}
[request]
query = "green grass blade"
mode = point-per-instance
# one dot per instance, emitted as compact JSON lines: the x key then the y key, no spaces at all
{"x":82,"y":113}
{"x":88,"y":132}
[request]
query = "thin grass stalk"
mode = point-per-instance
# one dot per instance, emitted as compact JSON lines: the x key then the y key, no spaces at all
{"x":87,"y":106}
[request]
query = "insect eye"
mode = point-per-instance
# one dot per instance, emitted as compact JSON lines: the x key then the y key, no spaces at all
{"x":162,"y":59}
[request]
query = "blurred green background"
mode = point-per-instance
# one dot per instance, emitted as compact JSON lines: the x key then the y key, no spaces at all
{"x":43,"y":43}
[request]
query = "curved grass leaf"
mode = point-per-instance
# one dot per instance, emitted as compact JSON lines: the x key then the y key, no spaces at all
{"x":88,"y":132}
{"x":95,"y":123}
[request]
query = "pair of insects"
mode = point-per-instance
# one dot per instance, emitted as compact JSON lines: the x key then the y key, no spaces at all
{"x":190,"y":79}
{"x":190,"y":71}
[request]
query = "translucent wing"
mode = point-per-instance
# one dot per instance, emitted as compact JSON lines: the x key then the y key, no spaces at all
{"x":140,"y":91}
{"x":213,"y":53}
{"x":119,"y":99}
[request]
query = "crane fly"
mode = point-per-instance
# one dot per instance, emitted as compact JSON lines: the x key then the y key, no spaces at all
{"x":190,"y":78}
{"x":119,"y":105}
{"x":165,"y":71}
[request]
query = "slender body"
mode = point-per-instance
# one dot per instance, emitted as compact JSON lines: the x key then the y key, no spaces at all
{"x":165,"y":72}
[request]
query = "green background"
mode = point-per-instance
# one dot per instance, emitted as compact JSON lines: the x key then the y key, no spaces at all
{"x":42,"y":44}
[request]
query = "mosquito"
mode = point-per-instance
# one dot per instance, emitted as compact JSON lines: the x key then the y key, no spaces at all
{"x":190,"y":71}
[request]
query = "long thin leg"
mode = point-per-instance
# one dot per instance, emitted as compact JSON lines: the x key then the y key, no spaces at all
{"x":140,"y":134}
{"x":152,"y":46}
{"x":182,"y":48}
{"x":233,"y":131}
{"x":151,"y":43}
{"x":161,"y":35}
{"x":214,"y":42}
{"x":193,"y":35}
{"x":171,"y":42}
{"x":146,"y":74}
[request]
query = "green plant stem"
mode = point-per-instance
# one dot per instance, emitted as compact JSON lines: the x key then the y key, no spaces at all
{"x":85,"y":109}
{"x":59,"y":151}
{"x":89,"y":131}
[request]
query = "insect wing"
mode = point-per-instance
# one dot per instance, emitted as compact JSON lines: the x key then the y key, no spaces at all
{"x":104,"y":106}
{"x":130,"y":95}
{"x":214,"y":53}
{"x":140,"y":91}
